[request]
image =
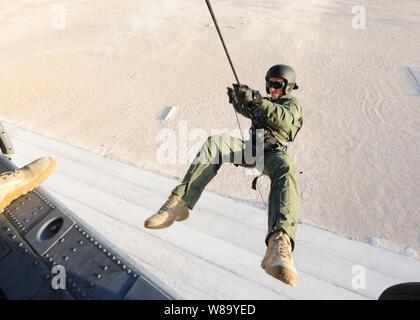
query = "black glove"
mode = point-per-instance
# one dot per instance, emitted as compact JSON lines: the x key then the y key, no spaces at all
{"x":247,"y":96}
{"x":231,"y":94}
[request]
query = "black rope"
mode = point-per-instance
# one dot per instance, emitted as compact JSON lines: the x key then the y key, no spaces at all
{"x":223,"y":41}
{"x":237,"y":81}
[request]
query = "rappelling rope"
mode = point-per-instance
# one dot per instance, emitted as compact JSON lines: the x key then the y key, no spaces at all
{"x":237,"y":81}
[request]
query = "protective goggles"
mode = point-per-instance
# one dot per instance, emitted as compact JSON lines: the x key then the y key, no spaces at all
{"x":275,"y":84}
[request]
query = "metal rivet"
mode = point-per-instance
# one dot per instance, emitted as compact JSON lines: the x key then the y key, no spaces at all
{"x":74,"y":250}
{"x":96,"y":243}
{"x":100,"y":247}
{"x":66,"y":258}
{"x":81,"y":242}
{"x":83,"y":233}
{"x":135,"y":275}
{"x":129,"y":271}
{"x":109,"y":254}
{"x":46,"y":255}
{"x":8,"y":229}
{"x":114,"y":258}
{"x":124,"y":267}
{"x":47,"y":276}
{"x":36,"y":262}
{"x":20,"y":244}
{"x":99,"y":276}
{"x":61,"y":240}
{"x":50,"y":259}
{"x":92,"y":284}
{"x":26,"y":220}
{"x":26,"y":251}
{"x":104,"y":250}
{"x":74,"y":285}
{"x":34,"y":213}
{"x":41,"y":207}
{"x":105,"y":268}
{"x":118,"y":262}
{"x":14,"y":237}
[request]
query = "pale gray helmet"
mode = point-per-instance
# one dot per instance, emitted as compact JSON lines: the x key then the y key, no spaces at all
{"x":285,"y":72}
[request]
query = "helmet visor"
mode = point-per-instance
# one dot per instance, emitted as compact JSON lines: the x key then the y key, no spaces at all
{"x":276,"y":84}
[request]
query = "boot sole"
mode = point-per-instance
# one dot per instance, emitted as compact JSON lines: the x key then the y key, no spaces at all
{"x":27,"y":188}
{"x":283,"y":275}
{"x":159,"y":226}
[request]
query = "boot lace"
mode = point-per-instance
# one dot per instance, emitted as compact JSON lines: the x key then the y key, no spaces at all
{"x":284,"y":247}
{"x":171,"y":202}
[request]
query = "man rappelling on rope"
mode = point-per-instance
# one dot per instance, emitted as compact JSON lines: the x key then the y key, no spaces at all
{"x":279,"y":116}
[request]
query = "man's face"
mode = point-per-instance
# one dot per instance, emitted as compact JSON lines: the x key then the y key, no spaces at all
{"x":279,"y":91}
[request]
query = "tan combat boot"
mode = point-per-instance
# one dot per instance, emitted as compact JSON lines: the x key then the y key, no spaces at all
{"x":174,"y":209}
{"x":278,"y":260}
{"x":14,"y":184}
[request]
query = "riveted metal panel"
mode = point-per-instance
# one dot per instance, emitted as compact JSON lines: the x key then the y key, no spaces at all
{"x":22,"y":272}
{"x":53,"y":232}
{"x":93,"y":270}
{"x":48,"y":293}
{"x":28,"y":210}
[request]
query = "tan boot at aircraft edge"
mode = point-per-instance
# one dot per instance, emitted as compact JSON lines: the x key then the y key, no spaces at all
{"x":14,"y":184}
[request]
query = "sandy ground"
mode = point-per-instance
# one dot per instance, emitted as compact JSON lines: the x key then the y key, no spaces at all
{"x":216,"y":253}
{"x":102,"y":82}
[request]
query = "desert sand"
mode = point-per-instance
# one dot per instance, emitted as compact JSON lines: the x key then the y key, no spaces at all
{"x":101,"y":81}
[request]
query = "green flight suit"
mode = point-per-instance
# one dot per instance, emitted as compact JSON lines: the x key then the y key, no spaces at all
{"x":281,"y":120}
